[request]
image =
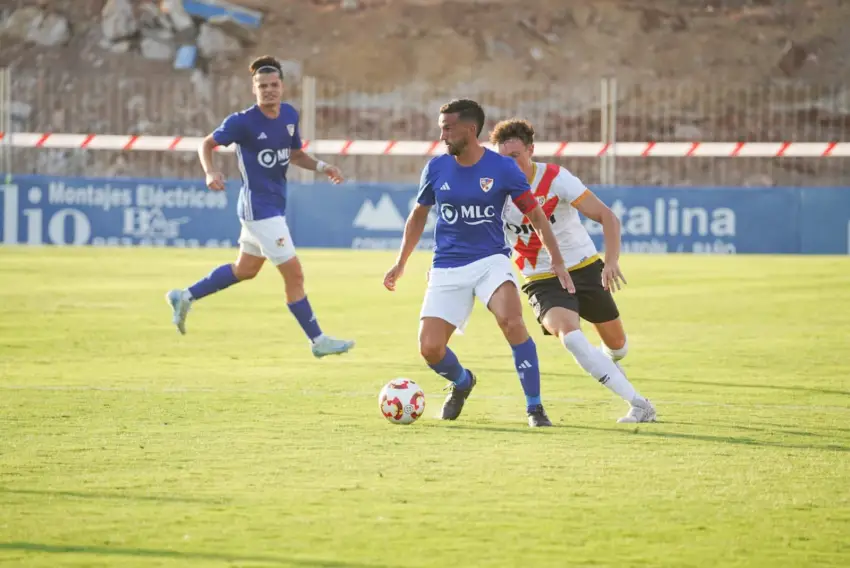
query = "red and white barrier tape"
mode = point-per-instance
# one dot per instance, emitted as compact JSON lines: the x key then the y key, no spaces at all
{"x":425,"y":148}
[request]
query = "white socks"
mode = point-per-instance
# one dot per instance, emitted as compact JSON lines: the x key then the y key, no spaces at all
{"x":615,"y":354}
{"x":599,"y":366}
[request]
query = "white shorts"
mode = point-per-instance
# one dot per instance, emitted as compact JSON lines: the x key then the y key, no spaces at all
{"x":451,"y":292}
{"x":269,"y":238}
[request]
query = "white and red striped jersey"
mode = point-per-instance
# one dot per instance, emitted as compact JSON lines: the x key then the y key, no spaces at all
{"x":557,"y":190}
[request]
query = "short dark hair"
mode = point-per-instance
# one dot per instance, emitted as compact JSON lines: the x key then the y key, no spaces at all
{"x":512,"y":128}
{"x":467,"y":110}
{"x":267,"y":64}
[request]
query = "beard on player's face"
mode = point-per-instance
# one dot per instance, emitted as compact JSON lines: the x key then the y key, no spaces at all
{"x":457,"y":147}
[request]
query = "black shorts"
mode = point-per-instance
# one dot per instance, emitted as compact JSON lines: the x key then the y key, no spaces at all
{"x":591,"y":301}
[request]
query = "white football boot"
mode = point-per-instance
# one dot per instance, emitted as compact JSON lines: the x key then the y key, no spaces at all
{"x":180,"y":302}
{"x":327,"y":345}
{"x":641,"y":411}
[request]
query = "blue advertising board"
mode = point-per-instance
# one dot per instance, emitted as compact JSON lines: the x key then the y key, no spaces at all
{"x":39,"y":210}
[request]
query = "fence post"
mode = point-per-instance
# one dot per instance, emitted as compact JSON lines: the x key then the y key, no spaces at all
{"x":612,"y":132}
{"x":603,"y":130}
{"x":308,"y":119}
{"x":6,"y":123}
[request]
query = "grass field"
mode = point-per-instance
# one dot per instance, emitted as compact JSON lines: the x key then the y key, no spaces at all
{"x":125,"y":444}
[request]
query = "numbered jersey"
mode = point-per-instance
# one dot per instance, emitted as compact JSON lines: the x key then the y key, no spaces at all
{"x":557,"y":191}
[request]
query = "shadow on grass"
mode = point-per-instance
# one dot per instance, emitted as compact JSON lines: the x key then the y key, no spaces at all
{"x":647,"y":430}
{"x":577,"y":374}
{"x":746,"y":386}
{"x":774,"y":429}
{"x":520,"y":428}
{"x":114,"y":496}
{"x":156,"y":553}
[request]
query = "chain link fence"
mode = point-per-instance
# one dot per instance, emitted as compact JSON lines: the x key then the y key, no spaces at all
{"x":603,"y":110}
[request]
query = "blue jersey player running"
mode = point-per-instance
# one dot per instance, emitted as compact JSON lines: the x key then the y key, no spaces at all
{"x":267,"y":141}
{"x":470,"y":187}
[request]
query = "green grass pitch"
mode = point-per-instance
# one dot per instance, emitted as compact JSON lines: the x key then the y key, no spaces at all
{"x":123,"y":443}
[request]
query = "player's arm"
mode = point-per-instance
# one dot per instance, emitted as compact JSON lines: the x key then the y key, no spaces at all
{"x":225,"y":135}
{"x":413,"y":228}
{"x":592,"y":207}
{"x":205,"y":153}
{"x":543,"y":228}
{"x":302,"y":159}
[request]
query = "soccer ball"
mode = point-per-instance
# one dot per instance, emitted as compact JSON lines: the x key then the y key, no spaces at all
{"x":401,"y":401}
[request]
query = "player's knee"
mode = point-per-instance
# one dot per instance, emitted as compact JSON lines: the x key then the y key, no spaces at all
{"x":560,"y":322}
{"x":512,"y":326}
{"x":294,"y":282}
{"x":432,"y":349}
{"x":244,"y":272}
{"x":560,"y":328}
{"x":292,"y":272}
{"x":617,"y":348}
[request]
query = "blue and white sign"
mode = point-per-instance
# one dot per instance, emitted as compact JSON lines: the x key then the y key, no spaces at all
{"x":37,"y":210}
{"x":703,"y":220}
{"x":360,"y":217}
{"x":147,"y":212}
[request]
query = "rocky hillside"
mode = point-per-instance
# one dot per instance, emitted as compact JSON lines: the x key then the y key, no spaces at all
{"x":686,"y":70}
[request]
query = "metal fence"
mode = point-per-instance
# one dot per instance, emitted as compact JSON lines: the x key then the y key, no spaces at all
{"x":5,"y":121}
{"x":605,"y":110}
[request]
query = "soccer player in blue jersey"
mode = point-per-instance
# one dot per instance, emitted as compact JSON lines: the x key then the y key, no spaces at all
{"x":267,"y":141}
{"x":470,"y":187}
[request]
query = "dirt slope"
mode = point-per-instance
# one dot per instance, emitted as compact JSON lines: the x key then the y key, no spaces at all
{"x":687,"y":69}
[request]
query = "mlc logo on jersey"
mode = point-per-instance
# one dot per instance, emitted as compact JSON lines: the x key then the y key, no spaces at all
{"x":268,"y":158}
{"x":471,"y":214}
{"x":486,"y":184}
{"x":448,"y":213}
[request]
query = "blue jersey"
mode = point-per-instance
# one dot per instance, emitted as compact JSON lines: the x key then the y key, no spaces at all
{"x":469,"y":201}
{"x":263,"y":145}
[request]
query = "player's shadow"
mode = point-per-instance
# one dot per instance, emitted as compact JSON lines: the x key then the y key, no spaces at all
{"x":776,"y":429}
{"x":744,"y":386}
{"x":577,"y":374}
{"x":486,"y":428}
{"x":647,"y":430}
{"x":115,"y":496}
{"x":174,"y":554}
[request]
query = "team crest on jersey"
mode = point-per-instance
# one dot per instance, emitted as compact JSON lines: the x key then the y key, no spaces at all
{"x":291,"y":129}
{"x":541,"y":200}
{"x":486,"y":184}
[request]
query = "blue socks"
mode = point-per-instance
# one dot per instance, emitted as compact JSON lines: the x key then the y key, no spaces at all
{"x":450,"y":368}
{"x":217,"y":280}
{"x":223,"y":277}
{"x":525,"y":360}
{"x":306,"y":318}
